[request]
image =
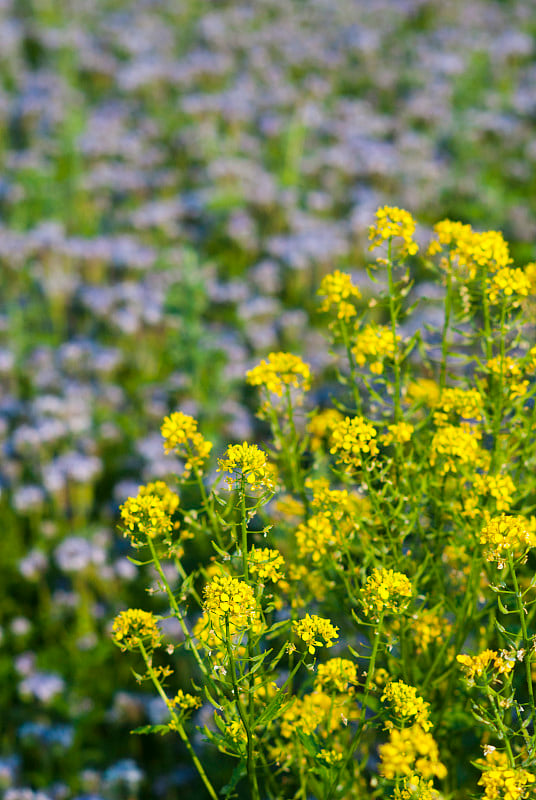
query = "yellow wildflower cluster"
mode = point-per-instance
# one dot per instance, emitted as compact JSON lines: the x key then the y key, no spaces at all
{"x":394,"y":222}
{"x":339,"y":674}
{"x":406,"y":703}
{"x":409,"y":751}
{"x":315,"y":537}
{"x":149,"y":515}
{"x":312,"y":628}
{"x":456,"y":447}
{"x":373,"y":344}
{"x":351,"y":439}
{"x":266,"y":564}
{"x":475,"y":666}
{"x":416,"y":788}
{"x":428,"y":627}
{"x":247,"y":464}
{"x":336,"y":503}
{"x":317,"y":709}
{"x":423,"y":391}
{"x":386,"y":590}
{"x":400,"y":432}
{"x":184,"y":701}
{"x":182,"y":437}
{"x":468,"y":249}
{"x":279,"y":372}
{"x":320,"y":426}
{"x":507,"y":534}
{"x":509,"y":284}
{"x":228,"y":598}
{"x":134,"y":627}
{"x":511,"y":373}
{"x":501,"y":781}
{"x":330,"y":757}
{"x":500,"y":487}
{"x":337,"y":289}
{"x":467,"y":404}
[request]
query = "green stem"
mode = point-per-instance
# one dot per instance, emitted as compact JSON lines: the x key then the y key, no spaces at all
{"x":393,"y":315}
{"x":176,"y":609}
{"x":178,"y":724}
{"x":444,"y":337}
{"x":361,"y":725}
{"x":351,"y":362}
{"x":526,"y":640}
{"x":501,"y":726}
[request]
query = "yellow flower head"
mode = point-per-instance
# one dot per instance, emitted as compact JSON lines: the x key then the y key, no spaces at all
{"x":182,"y":437}
{"x":509,"y":285}
{"x":266,"y":564}
{"x":320,"y":426}
{"x":351,"y":439}
{"x":184,"y":702}
{"x":279,"y":372}
{"x":373,"y":344}
{"x":134,"y":627}
{"x":416,"y":788}
{"x":423,"y":391}
{"x":312,"y":629}
{"x":337,"y":289}
{"x":507,"y":534}
{"x":386,"y":590}
{"x":339,"y":674}
{"x":400,"y":432}
{"x":501,"y":781}
{"x":394,"y":222}
{"x":148,"y":516}
{"x":232,"y":599}
{"x":500,"y":487}
{"x":466,"y":404}
{"x":468,"y":250}
{"x":456,"y":447}
{"x":406,"y":703}
{"x":475,"y":666}
{"x":315,"y":536}
{"x":246,"y":463}
{"x":408,"y":751}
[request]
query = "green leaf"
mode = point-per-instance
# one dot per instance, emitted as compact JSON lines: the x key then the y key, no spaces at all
{"x":162,"y":729}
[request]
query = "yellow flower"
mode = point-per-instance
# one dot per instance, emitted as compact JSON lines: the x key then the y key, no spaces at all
{"x":406,"y":703}
{"x":408,"y":751}
{"x":279,"y":372}
{"x":184,"y":701}
{"x":266,"y":564}
{"x":475,"y":666}
{"x":351,"y":439}
{"x":228,"y":598}
{"x":400,"y":432}
{"x":182,"y":437}
{"x":386,"y":590}
{"x":337,"y":673}
{"x":247,"y":462}
{"x":311,"y":629}
{"x":315,"y":536}
{"x":501,"y":781}
{"x":510,"y":285}
{"x":134,"y":627}
{"x":337,"y":289}
{"x":320,"y":426}
{"x":467,"y":404}
{"x":373,"y":344}
{"x":149,"y":515}
{"x":500,"y":487}
{"x":506,"y":534}
{"x":393,"y":222}
{"x":422,"y":390}
{"x":416,"y":788}
{"x":468,"y":250}
{"x":456,"y":447}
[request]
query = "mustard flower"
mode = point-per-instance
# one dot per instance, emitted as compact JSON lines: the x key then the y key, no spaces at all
{"x":315,"y":536}
{"x":184,"y":702}
{"x":468,"y":249}
{"x":509,"y":284}
{"x":280,"y":371}
{"x":134,"y":627}
{"x":232,"y":599}
{"x":266,"y":564}
{"x":400,"y":432}
{"x":427,"y":627}
{"x":386,"y":590}
{"x":406,"y":703}
{"x":182,"y":437}
{"x":500,"y":487}
{"x":373,"y":344}
{"x":148,"y":516}
{"x":393,"y":222}
{"x":339,"y":674}
{"x":456,"y":447}
{"x":409,"y":751}
{"x":416,"y":788}
{"x":422,"y":390}
{"x":337,"y":289}
{"x":511,"y":373}
{"x":475,"y":666}
{"x":501,"y":781}
{"x":317,"y":710}
{"x":351,"y":439}
{"x":320,"y":426}
{"x":468,"y":404}
{"x":311,"y":629}
{"x":507,"y":534}
{"x":248,"y":463}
